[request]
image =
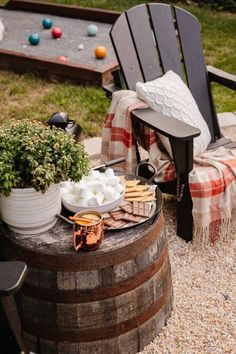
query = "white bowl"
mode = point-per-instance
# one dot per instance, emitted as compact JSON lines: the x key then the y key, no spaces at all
{"x":100,"y":208}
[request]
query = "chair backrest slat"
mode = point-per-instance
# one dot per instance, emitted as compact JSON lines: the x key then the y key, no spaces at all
{"x":195,"y":67}
{"x":163,"y":26}
{"x":125,"y":52}
{"x":139,"y":22}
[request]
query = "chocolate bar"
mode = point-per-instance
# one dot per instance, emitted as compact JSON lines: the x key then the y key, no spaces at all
{"x":117,"y":215}
{"x":132,"y":218}
{"x":141,"y":209}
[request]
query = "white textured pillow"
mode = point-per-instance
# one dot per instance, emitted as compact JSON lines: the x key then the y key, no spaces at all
{"x":169,"y":95}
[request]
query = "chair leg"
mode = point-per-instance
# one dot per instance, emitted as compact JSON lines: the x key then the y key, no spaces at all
{"x":9,"y":306}
{"x":184,"y":212}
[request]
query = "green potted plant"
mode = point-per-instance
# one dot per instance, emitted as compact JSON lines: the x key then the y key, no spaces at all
{"x":34,"y":159}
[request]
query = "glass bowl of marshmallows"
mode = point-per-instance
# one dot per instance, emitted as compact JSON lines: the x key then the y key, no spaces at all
{"x":100,"y":191}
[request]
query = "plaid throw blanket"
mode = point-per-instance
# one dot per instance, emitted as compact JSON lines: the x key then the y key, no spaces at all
{"x":212,"y":181}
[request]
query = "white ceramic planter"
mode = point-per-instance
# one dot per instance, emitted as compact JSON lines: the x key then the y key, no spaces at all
{"x":27,"y":211}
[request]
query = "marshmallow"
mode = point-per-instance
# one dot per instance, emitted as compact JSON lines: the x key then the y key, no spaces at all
{"x":91,"y":185}
{"x":88,"y":178}
{"x":95,"y":189}
{"x":99,"y":188}
{"x":94,"y":173}
{"x":109,"y":173}
{"x":70,"y":198}
{"x":119,"y":188}
{"x":116,"y":196}
{"x":85,"y":193}
{"x":68,"y":185}
{"x":114,"y":181}
{"x":100,"y":197}
{"x":110,"y":194}
{"x":102,"y":180}
{"x":76,"y":189}
{"x":93,"y":202}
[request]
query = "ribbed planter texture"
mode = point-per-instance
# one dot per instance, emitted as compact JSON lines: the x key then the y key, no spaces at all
{"x":27,"y":211}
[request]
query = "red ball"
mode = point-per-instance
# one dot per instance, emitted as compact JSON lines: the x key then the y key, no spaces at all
{"x":62,"y":58}
{"x":56,"y":32}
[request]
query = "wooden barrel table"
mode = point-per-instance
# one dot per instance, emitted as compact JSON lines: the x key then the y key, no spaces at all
{"x":112,"y":300}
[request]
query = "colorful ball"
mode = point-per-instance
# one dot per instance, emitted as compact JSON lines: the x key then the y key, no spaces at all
{"x":34,"y":38}
{"x":100,"y":52}
{"x":47,"y":23}
{"x":92,"y":30}
{"x":56,"y":32}
{"x":62,"y":58}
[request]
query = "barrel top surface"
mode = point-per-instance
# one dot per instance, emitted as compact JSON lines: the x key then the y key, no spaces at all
{"x":57,"y":241}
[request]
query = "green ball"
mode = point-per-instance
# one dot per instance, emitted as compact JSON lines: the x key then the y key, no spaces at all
{"x":34,"y":38}
{"x":47,"y":23}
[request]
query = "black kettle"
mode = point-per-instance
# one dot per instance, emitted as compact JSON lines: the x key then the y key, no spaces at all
{"x":61,"y":120}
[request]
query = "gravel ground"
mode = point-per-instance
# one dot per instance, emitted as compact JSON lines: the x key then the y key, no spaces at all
{"x":203,"y":319}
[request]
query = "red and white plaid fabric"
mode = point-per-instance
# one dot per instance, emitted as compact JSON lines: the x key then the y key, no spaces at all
{"x":212,"y":184}
{"x":118,"y":137}
{"x":212,"y":181}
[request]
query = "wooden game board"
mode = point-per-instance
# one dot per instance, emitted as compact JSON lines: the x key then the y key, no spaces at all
{"x":27,"y":59}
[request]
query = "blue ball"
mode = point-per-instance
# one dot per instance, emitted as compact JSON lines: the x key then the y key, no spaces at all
{"x":92,"y":30}
{"x":47,"y":23}
{"x":34,"y":38}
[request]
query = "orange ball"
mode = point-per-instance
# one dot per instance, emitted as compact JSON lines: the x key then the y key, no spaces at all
{"x":100,"y":52}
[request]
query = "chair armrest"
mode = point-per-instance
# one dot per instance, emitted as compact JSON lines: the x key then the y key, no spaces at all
{"x":169,"y":127}
{"x":180,"y":134}
{"x":118,"y":83}
{"x":12,"y":276}
{"x":221,"y":77}
{"x":109,"y":89}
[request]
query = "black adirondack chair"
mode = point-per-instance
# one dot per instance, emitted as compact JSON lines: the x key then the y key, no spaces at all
{"x":149,"y":40}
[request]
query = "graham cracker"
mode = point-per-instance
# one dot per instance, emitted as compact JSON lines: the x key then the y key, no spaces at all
{"x":138,"y":194}
{"x":131,"y":183}
{"x":148,"y":198}
{"x":139,"y":187}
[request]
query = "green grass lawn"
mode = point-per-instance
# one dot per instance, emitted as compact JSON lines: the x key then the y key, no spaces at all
{"x":28,"y":96}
